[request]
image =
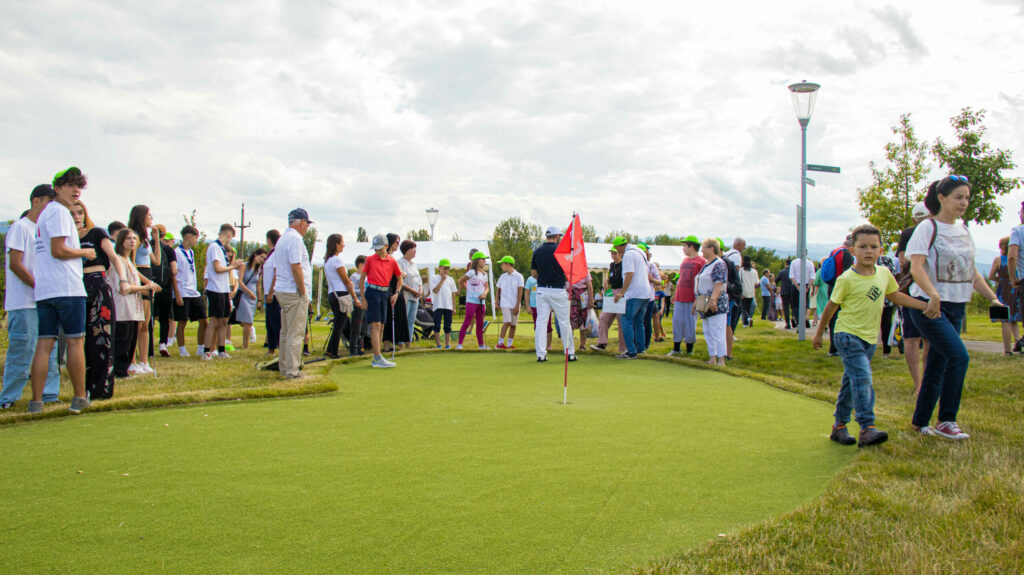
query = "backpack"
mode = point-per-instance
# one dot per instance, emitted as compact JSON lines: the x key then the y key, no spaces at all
{"x":832,"y":267}
{"x":734,"y":287}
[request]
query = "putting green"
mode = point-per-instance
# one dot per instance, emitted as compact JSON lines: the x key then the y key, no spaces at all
{"x":451,"y":463}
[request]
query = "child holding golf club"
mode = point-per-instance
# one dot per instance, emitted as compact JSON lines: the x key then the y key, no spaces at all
{"x":510,"y":293}
{"x":475,"y":282}
{"x":861,"y":291}
{"x":442,"y":295}
{"x":377,"y":273}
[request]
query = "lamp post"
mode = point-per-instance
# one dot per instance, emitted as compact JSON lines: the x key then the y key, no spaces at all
{"x":804,"y":96}
{"x":432,"y":219}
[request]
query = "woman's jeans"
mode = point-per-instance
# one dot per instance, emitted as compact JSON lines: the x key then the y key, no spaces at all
{"x":856,"y":392}
{"x":412,"y":305}
{"x":946,"y":365}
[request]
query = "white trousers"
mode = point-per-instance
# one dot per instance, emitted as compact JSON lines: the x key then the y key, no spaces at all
{"x":552,"y":300}
{"x":714,"y":333}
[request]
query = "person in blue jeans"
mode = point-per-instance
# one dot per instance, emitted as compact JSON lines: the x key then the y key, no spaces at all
{"x":941,"y":254}
{"x":636,"y":288}
{"x":20,"y":304}
{"x":861,"y":291}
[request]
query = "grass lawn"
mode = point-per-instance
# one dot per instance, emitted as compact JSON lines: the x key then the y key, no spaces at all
{"x":451,"y":465}
{"x":913,"y":505}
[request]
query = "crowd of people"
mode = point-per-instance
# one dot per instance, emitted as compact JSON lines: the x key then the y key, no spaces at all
{"x":104,"y":290}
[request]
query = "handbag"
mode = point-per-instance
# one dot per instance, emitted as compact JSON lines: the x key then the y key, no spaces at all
{"x":700,"y":304}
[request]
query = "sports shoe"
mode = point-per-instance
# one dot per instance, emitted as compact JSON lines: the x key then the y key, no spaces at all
{"x":379,"y":361}
{"x":182,"y":352}
{"x":871,"y":435}
{"x":448,"y":347}
{"x":206,"y":356}
{"x":252,"y":333}
{"x":841,"y":435}
{"x":626,"y":355}
{"x":79,"y":404}
{"x":950,"y":430}
{"x":482,"y":347}
{"x":35,"y":407}
{"x":572,"y":357}
{"x":459,"y":346}
{"x":6,"y":405}
{"x":145,"y":368}
{"x":597,"y":347}
{"x":926,"y":430}
{"x":163,"y":350}
{"x":1019,"y":345}
{"x":509,"y":346}
{"x":500,"y":346}
{"x":542,"y":359}
{"x":135,"y":369}
{"x":673,"y":353}
{"x":224,"y":354}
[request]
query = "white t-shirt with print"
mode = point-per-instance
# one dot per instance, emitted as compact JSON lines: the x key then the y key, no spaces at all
{"x":22,"y":237}
{"x":334,"y":283}
{"x":950,"y":261}
{"x":444,"y":298}
{"x":219,"y":282}
{"x":633,"y":260}
{"x":57,"y":277}
{"x":475,"y":286}
{"x":186,"y":278}
{"x":509,"y":284}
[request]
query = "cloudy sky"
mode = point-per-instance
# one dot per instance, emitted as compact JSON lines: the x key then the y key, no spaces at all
{"x":654,"y":117}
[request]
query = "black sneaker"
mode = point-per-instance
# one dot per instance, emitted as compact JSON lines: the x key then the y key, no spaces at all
{"x":572,"y":357}
{"x":542,"y":359}
{"x":871,"y":435}
{"x":841,"y":435}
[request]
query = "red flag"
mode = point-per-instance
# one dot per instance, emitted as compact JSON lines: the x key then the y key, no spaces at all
{"x":570,"y":252}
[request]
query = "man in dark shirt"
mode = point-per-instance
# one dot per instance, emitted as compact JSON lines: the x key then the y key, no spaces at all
{"x":914,"y":346}
{"x":163,"y":301}
{"x":552,"y":296}
{"x":786,"y":291}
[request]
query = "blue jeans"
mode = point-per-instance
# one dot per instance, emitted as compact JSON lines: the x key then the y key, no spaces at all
{"x":649,"y":323}
{"x":23,"y":332}
{"x":411,"y":306}
{"x":856,"y":392}
{"x":633,"y":325}
{"x":946,"y":365}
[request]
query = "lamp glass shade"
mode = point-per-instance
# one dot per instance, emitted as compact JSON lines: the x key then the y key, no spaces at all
{"x":432,"y":216}
{"x":805,"y":94}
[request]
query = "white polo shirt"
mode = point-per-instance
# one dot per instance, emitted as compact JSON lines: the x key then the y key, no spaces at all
{"x":290,"y":250}
{"x":633,"y":260}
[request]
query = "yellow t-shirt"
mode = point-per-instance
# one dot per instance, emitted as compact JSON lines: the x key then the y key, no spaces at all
{"x":862,"y":298}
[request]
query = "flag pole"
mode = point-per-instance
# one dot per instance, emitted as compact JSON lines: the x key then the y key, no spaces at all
{"x":565,"y":351}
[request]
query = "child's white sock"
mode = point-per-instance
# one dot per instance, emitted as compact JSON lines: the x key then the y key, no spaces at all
{"x":182,"y":349}
{"x":501,"y":341}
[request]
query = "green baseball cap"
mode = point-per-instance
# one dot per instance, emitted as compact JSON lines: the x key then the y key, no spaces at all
{"x":507,"y":260}
{"x":169,"y":236}
{"x":644,"y":246}
{"x":61,"y":173}
{"x":445,"y":263}
{"x":613,"y":250}
{"x":721,"y":243}
{"x":619,"y":241}
{"x":691,"y":239}
{"x":675,"y":276}
{"x":479,"y":256}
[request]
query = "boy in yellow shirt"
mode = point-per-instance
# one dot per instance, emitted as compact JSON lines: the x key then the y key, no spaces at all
{"x":860,"y":291}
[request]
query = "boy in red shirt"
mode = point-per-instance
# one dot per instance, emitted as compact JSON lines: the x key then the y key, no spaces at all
{"x":377,"y":273}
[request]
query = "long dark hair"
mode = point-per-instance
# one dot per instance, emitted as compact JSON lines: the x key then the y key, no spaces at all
{"x":944,"y":187}
{"x":137,"y":222}
{"x":250,"y":263}
{"x":746,"y":262}
{"x":333,"y":241}
{"x":392,"y":240}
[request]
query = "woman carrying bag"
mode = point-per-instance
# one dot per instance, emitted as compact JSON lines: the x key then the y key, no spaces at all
{"x":712,"y":300}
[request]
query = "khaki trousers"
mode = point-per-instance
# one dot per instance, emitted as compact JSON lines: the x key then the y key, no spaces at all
{"x":294,"y":310}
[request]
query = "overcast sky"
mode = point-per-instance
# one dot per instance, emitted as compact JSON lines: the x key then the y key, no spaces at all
{"x":654,"y":117}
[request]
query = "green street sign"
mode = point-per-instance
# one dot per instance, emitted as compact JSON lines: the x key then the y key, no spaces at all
{"x":818,"y":168}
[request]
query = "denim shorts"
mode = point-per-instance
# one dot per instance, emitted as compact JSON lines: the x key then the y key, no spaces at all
{"x":377,"y":302}
{"x":67,"y":313}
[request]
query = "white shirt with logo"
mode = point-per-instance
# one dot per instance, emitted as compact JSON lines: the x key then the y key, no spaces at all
{"x":22,"y":237}
{"x":56,"y":277}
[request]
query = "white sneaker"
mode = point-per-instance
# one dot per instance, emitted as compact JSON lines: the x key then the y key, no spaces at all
{"x":252,"y":333}
{"x":183,"y":352}
{"x":144,"y":368}
{"x":206,"y":356}
{"x":673,"y":353}
{"x":223,"y":355}
{"x":459,"y":346}
{"x":482,"y":347}
{"x":172,"y":341}
{"x":381,"y":362}
{"x":135,"y":369}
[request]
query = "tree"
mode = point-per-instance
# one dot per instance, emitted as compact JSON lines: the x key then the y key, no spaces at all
{"x":764,"y":258}
{"x":361,"y":235}
{"x":420,"y":235}
{"x":887,"y":203}
{"x":590,"y":234}
{"x":975,"y":159}
{"x":666,"y":240}
{"x":630,"y":237}
{"x":516,"y":238}
{"x":309,"y":239}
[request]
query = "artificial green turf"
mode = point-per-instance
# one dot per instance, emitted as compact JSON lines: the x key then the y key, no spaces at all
{"x":451,"y":463}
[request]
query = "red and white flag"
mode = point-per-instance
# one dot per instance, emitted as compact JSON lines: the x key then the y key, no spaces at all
{"x":571,"y":254}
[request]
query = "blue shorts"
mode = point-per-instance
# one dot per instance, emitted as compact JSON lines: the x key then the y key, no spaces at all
{"x":908,"y":326}
{"x":377,"y":305}
{"x":67,"y":313}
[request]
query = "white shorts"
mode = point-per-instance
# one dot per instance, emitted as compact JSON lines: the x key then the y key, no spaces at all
{"x":508,"y":317}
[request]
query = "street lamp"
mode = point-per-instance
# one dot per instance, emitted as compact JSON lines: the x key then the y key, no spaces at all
{"x":431,"y":219}
{"x":804,"y":94}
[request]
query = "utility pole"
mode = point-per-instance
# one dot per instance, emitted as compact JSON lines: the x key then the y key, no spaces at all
{"x":241,"y":227}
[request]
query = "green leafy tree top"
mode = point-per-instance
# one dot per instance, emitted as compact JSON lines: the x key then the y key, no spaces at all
{"x":982,"y":165}
{"x":420,"y":235}
{"x":516,"y":238}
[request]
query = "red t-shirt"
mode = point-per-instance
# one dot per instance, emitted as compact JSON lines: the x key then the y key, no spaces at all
{"x":688,"y":270}
{"x":379,"y":271}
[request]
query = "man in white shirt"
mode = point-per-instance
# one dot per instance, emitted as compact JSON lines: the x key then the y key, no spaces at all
{"x":801,"y":283}
{"x":189,"y":304}
{"x":292,"y":288}
{"x":20,"y":304}
{"x":510,"y":293}
{"x":218,"y":290}
{"x":59,"y":289}
{"x":636,"y":288}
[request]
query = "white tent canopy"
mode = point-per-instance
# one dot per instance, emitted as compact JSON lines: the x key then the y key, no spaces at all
{"x":667,"y":257}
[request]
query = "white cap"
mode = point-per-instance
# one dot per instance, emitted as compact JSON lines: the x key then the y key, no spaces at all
{"x":553,"y":231}
{"x":920,"y":211}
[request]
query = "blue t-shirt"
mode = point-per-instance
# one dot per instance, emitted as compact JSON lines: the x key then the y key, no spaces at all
{"x":766,"y":289}
{"x":531,"y":288}
{"x":549,"y":273}
{"x":1017,"y":239}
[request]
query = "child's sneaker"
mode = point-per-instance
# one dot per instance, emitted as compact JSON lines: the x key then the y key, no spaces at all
{"x":79,"y":404}
{"x":871,"y":435}
{"x":183,"y":352}
{"x":134,"y":369}
{"x":950,"y":430}
{"x":163,"y":350}
{"x":508,"y":346}
{"x":598,"y":347}
{"x":500,"y":346}
{"x":206,"y":356}
{"x":35,"y":407}
{"x":458,"y":346}
{"x":841,"y":435}
{"x":224,"y":354}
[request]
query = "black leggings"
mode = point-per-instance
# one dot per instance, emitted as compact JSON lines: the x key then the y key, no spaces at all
{"x":338,"y":327}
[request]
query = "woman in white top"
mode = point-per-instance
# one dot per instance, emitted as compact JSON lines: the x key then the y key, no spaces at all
{"x":411,"y":284}
{"x":711,"y":283}
{"x":128,"y":307}
{"x":941,"y":254}
{"x":339,"y":293}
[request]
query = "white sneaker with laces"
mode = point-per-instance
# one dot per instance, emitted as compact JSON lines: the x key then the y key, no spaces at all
{"x":134,"y":369}
{"x":206,"y":356}
{"x":183,"y":352}
{"x":144,"y":368}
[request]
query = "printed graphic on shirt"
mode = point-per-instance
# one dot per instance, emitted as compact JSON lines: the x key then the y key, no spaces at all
{"x":955,"y":261}
{"x":874,"y":293}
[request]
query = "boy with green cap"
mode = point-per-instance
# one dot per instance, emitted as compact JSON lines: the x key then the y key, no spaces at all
{"x":684,"y":322}
{"x":442,"y":297}
{"x":510,"y":293}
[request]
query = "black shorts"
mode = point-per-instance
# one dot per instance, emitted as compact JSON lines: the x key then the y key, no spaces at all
{"x":146,"y":272}
{"x":192,"y":309}
{"x":220,"y":304}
